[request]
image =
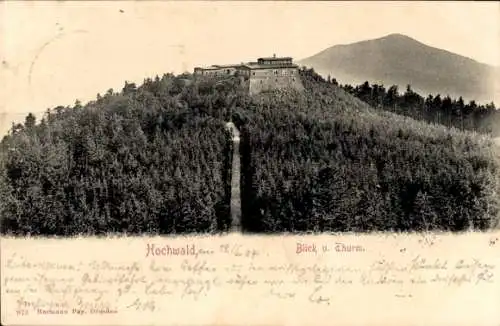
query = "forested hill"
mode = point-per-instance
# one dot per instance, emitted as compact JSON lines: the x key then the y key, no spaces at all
{"x":156,"y":158}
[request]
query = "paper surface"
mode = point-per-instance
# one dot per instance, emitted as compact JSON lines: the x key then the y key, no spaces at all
{"x":248,"y":280}
{"x":53,"y":54}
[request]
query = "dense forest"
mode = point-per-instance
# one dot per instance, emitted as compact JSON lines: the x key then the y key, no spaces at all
{"x":155,"y":158}
{"x":325,"y":161}
{"x":484,"y":118}
{"x":139,"y":161}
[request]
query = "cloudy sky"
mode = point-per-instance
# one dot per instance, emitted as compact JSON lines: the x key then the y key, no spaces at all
{"x":55,"y":52}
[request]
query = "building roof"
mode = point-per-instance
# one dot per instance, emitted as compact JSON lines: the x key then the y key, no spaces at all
{"x":227,"y":66}
{"x":206,"y":68}
{"x":255,"y":65}
{"x":275,"y":58}
{"x":270,"y":66}
{"x":216,"y":67}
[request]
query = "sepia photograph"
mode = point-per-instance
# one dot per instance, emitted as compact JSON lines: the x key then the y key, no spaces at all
{"x":249,"y":163}
{"x":164,"y":118}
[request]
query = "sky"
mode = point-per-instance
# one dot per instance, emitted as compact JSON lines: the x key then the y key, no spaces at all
{"x":53,"y":53}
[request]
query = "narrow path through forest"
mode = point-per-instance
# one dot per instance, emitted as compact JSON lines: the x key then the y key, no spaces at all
{"x":497,"y":143}
{"x":235,"y":179}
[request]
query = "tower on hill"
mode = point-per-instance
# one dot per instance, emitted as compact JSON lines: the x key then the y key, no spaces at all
{"x":267,"y":73}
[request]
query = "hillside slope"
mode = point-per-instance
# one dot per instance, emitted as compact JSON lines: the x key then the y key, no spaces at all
{"x":323,"y":160}
{"x":156,"y":159}
{"x":400,"y":60}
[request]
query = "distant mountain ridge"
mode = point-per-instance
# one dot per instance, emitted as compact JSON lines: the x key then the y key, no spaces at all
{"x":397,"y":59}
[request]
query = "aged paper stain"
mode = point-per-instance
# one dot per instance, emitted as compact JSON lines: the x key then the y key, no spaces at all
{"x":147,"y":278}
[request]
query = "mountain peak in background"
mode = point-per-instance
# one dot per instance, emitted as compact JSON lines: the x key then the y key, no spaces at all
{"x":397,"y":59}
{"x":398,"y":36}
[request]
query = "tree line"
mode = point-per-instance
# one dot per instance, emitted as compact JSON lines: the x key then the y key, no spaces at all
{"x":451,"y":112}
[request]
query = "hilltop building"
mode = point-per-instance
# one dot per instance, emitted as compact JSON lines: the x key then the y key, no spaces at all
{"x":263,"y":75}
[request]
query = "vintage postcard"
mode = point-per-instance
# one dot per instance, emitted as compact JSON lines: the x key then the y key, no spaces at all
{"x":249,"y":163}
